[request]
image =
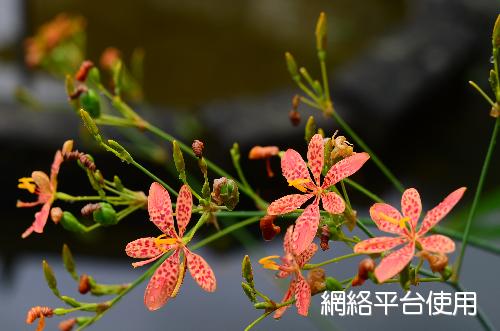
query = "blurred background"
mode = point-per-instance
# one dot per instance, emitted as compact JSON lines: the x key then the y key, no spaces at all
{"x":215,"y":70}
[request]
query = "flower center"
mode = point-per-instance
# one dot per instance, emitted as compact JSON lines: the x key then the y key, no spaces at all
{"x":299,"y":184}
{"x":269,"y":263}
{"x":162,"y":242}
{"x":27,"y":183}
{"x":401,"y":223}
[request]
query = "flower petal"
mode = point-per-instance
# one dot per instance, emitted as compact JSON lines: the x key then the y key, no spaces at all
{"x":437,"y":244}
{"x":411,"y":205}
{"x":436,"y":214}
{"x":41,"y":218}
{"x":183,"y":208}
{"x":381,"y":213}
{"x":160,"y":209}
{"x":201,"y":271}
{"x":143,"y":248}
{"x":287,"y":240}
{"x":316,"y":156}
{"x":333,"y":203}
{"x":305,"y":229}
{"x":293,"y":166}
{"x":287,"y":204}
{"x":393,"y":263}
{"x":288,"y":295}
{"x":302,"y":296}
{"x":378,"y":244}
{"x":42,"y":181}
{"x":307,"y":254}
{"x":345,"y":168}
{"x":54,"y":169}
{"x":162,"y":283}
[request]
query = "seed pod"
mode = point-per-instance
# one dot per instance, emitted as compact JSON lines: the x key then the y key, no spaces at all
{"x":267,"y":227}
{"x":249,"y":291}
{"x":71,"y":223}
{"x":496,"y":33}
{"x":225,"y":192}
{"x":333,"y":284}
{"x":197,"y":148}
{"x":105,"y":215}
{"x":89,"y":101}
{"x":83,"y":71}
{"x":84,"y":284}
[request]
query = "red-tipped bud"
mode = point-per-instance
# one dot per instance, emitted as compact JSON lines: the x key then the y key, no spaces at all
{"x":82,"y":73}
{"x":84,"y":284}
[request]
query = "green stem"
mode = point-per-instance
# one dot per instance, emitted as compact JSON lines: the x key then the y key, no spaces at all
{"x":397,"y":184}
{"x":153,"y":176}
{"x":324,"y":75}
{"x":480,"y":90}
{"x":334,"y":260}
{"x":480,"y":314}
{"x":259,"y":319}
{"x":67,"y":197}
{"x":477,"y":195}
{"x":362,"y":189}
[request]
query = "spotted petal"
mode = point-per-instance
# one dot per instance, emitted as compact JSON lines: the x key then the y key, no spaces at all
{"x":333,"y":203}
{"x":382,"y":213}
{"x":437,"y":244}
{"x":160,"y":209}
{"x":316,"y":156}
{"x":305,"y":229}
{"x":183,"y":208}
{"x":345,"y":168}
{"x":302,"y":296}
{"x":162,"y":283}
{"x":287,"y":204}
{"x":293,"y":166}
{"x":307,"y":254}
{"x":378,"y":244}
{"x":411,"y":206}
{"x":201,"y":271}
{"x":41,"y":218}
{"x":143,"y":248}
{"x":436,"y":214}
{"x":393,"y":263}
{"x":287,"y":240}
{"x":288,"y":295}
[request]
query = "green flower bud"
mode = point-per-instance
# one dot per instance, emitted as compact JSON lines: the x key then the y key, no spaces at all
{"x":246,"y":271}
{"x":118,"y":183}
{"x":496,"y":33}
{"x":292,"y":67}
{"x":179,"y":161}
{"x":120,"y":151}
{"x":70,"y":301}
{"x":333,"y":284}
{"x":90,"y":124}
{"x":90,"y":102}
{"x":263,"y":305}
{"x":404,"y":278}
{"x":50,"y":278}
{"x":249,"y":291}
{"x":118,"y":76}
{"x":446,"y":273}
{"x":94,"y":76}
{"x":311,"y":129}
{"x":71,"y":223}
{"x":106,"y":215}
{"x":321,"y":30}
{"x":68,"y":261}
{"x":225,"y":193}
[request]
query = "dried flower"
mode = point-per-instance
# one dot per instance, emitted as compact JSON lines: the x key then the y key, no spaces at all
{"x":316,"y":280}
{"x":56,"y":214}
{"x":437,"y":261}
{"x":388,"y":219}
{"x":267,"y":227}
{"x":264,"y":152}
{"x":325,"y":237}
{"x":297,"y":174}
{"x":225,"y":192}
{"x":294,"y":117}
{"x":197,"y":148}
{"x":84,"y":284}
{"x":39,"y":312}
{"x":365,"y":267}
{"x":67,"y":325}
{"x":167,"y":279}
{"x":83,"y":71}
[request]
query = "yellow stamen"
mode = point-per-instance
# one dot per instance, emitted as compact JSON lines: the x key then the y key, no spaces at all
{"x":299,"y":183}
{"x":401,"y":223}
{"x":27,"y":183}
{"x":268,"y":263}
{"x":180,"y":279}
{"x":161,"y":243}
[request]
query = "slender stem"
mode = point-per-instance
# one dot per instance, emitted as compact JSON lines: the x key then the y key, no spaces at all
{"x":68,"y":197}
{"x":334,"y":260}
{"x":153,"y":176}
{"x":480,"y":314}
{"x":310,"y":103}
{"x":363,"y":190}
{"x":477,"y":195}
{"x":346,"y":197}
{"x":363,"y":228}
{"x":259,"y":319}
{"x":480,"y":90}
{"x":324,"y":75}
{"x":397,"y":184}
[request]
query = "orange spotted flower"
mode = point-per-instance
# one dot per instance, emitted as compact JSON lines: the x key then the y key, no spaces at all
{"x":167,"y":279}
{"x":296,"y":172}
{"x":291,"y":266}
{"x":389,"y":219}
{"x":45,"y":188}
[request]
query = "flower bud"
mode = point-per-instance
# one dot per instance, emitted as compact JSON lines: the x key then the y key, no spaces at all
{"x":446,"y":273}
{"x":333,"y":284}
{"x":495,"y":110}
{"x":292,"y":67}
{"x":341,"y":148}
{"x":67,"y":147}
{"x":105,"y":215}
{"x":84,"y":284}
{"x":197,"y":148}
{"x":320,"y":33}
{"x":325,"y":237}
{"x":310,"y":129}
{"x":83,"y":71}
{"x":50,"y":278}
{"x":120,"y":151}
{"x":316,"y":280}
{"x":94,"y":76}
{"x":67,"y":325}
{"x":56,"y":214}
{"x":90,"y":101}
{"x":496,"y":33}
{"x":118,"y":183}
{"x":249,"y":292}
{"x":246,"y":270}
{"x":351,"y":218}
{"x":268,"y":228}
{"x":179,"y":161}
{"x":294,"y":117}
{"x":365,"y":267}
{"x":69,"y":262}
{"x":90,"y":124}
{"x":225,"y":192}
{"x":70,"y":223}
